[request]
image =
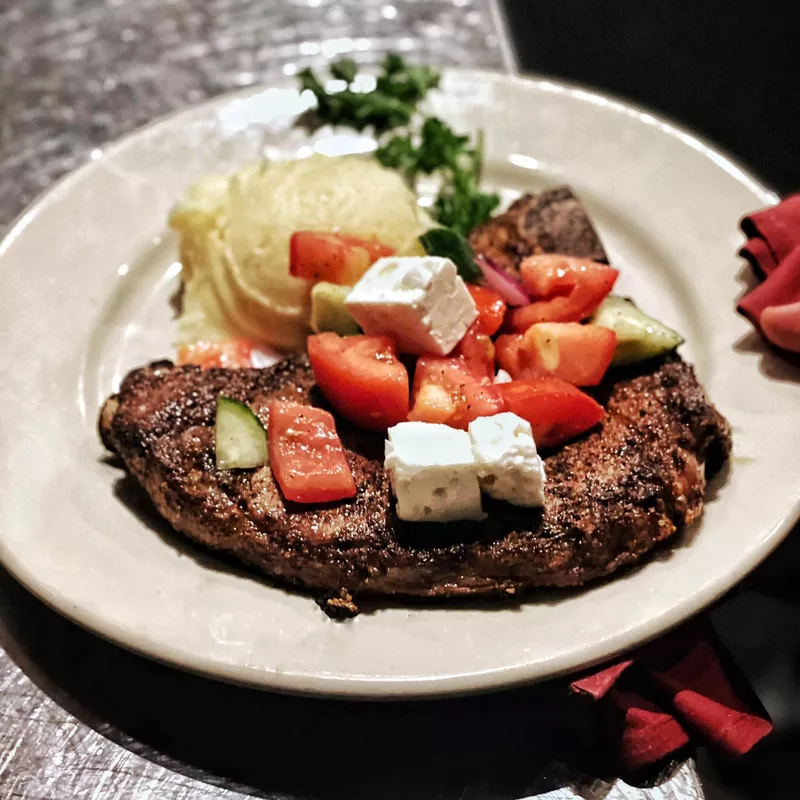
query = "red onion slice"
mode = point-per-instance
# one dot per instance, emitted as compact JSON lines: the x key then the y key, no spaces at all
{"x":508,"y":287}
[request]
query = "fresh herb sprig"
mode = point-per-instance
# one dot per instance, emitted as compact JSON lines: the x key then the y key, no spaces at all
{"x":449,"y":244}
{"x":419,"y":145}
{"x":390,"y":105}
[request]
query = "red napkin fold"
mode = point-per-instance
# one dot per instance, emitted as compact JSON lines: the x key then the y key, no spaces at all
{"x":677,"y":690}
{"x":773,"y":251}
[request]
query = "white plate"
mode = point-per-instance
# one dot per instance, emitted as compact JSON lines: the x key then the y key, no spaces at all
{"x":86,"y":277}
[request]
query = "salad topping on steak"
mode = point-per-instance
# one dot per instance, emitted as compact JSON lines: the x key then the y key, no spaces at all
{"x":318,"y":509}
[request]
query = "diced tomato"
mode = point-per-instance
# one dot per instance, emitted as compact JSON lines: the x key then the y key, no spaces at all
{"x":447,"y":391}
{"x":576,"y":353}
{"x":509,"y":356}
{"x":477,"y":351}
{"x":233,"y":353}
{"x":333,"y":257}
{"x":306,"y":454}
{"x":566,"y":289}
{"x":362,"y":378}
{"x":556,"y":410}
{"x":491,"y":308}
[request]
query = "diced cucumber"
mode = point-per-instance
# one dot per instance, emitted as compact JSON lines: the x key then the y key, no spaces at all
{"x":639,"y":336}
{"x":241,"y":441}
{"x":328,"y":311}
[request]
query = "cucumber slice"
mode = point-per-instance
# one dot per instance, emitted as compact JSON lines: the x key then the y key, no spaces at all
{"x":328,"y":311}
{"x":639,"y":336}
{"x":241,"y":441}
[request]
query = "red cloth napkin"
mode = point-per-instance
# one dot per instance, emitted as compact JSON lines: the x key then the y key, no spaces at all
{"x":673,"y":692}
{"x":773,"y":250}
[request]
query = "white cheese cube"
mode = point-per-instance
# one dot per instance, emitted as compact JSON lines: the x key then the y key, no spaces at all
{"x":509,"y":467}
{"x":433,"y":473}
{"x":502,"y":377}
{"x":421,"y":302}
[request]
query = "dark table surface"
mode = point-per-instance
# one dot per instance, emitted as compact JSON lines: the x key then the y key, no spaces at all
{"x":727,"y":69}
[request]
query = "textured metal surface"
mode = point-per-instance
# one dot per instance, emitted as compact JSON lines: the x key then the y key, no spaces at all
{"x":82,"y":719}
{"x":75,"y":74}
{"x":559,"y":782}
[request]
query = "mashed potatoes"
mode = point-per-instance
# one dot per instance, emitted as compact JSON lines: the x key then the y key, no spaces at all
{"x":235,"y":233}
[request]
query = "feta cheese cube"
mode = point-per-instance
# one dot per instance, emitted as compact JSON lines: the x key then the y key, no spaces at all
{"x":421,"y":302}
{"x":502,"y":377}
{"x":433,"y":473}
{"x":509,"y":467}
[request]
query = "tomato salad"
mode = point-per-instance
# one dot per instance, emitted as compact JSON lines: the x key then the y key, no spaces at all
{"x":545,"y":347}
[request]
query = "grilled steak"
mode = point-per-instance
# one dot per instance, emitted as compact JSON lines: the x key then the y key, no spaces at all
{"x":610,"y":497}
{"x":634,"y":481}
{"x":553,"y":221}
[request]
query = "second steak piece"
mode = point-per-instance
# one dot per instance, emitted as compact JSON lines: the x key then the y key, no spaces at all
{"x":553,"y":221}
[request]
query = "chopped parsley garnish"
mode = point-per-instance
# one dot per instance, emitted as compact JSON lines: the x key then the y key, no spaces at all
{"x":417,"y":145}
{"x":449,"y":244}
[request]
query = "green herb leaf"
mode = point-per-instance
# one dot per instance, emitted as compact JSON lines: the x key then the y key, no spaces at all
{"x":440,"y":147}
{"x":409,"y":84}
{"x":309,"y":81}
{"x":463,"y":211}
{"x":448,"y":244}
{"x":393,"y":63}
{"x":344,"y":70}
{"x":383,"y":109}
{"x":398,"y":153}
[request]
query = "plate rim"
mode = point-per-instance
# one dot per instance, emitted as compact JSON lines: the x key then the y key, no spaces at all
{"x":593,"y":94}
{"x":412,"y":687}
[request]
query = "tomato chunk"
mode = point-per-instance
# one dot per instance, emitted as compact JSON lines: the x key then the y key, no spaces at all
{"x":556,"y":410}
{"x":477,"y":351}
{"x":233,"y":353}
{"x":447,"y":391}
{"x":491,"y":308}
{"x":576,"y":353}
{"x":306,"y":454}
{"x":509,"y":356}
{"x":362,"y":377}
{"x":566,"y":289}
{"x":333,"y":257}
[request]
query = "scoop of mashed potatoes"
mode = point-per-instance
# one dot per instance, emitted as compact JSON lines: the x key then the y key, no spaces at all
{"x":235,"y":233}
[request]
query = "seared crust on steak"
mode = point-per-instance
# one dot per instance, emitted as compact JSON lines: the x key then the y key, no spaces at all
{"x":553,"y":221}
{"x":635,"y":480}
